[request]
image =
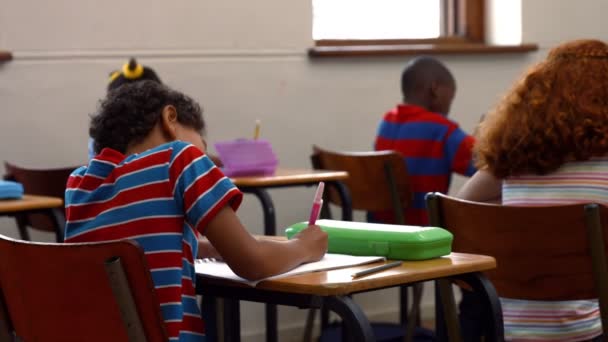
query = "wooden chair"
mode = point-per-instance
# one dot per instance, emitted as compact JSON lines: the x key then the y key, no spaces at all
{"x":543,"y":253}
{"x":45,"y":182}
{"x":376,"y":181}
{"x":77,"y":292}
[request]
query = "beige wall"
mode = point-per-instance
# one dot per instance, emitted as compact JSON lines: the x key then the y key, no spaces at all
{"x":242,"y":60}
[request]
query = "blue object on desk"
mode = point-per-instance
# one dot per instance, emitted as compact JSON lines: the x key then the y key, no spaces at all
{"x":10,"y":190}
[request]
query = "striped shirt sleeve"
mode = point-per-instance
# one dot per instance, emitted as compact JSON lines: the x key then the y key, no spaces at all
{"x":199,"y":187}
{"x":459,"y":152}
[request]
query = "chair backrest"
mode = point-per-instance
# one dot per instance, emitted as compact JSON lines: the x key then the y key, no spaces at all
{"x":542,"y":253}
{"x":376,"y":180}
{"x":77,"y":292}
{"x":50,"y":182}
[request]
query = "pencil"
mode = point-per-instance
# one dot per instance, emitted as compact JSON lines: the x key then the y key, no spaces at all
{"x":377,"y":269}
{"x":256,"y":132}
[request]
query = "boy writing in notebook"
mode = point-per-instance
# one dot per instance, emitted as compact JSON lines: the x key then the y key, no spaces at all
{"x":432,"y":145}
{"x":152,"y":182}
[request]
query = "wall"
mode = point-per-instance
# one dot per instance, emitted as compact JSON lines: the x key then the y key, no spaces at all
{"x":243,"y":60}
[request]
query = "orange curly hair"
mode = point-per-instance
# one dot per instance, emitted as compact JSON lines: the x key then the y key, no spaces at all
{"x":557,"y":113}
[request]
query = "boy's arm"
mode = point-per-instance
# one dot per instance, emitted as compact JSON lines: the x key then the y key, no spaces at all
{"x":459,"y":151}
{"x":482,"y":187}
{"x":253,"y":258}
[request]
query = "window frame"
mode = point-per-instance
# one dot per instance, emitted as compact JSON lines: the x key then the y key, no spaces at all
{"x":463,"y":30}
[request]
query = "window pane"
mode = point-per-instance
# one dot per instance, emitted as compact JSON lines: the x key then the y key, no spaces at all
{"x":376,"y":19}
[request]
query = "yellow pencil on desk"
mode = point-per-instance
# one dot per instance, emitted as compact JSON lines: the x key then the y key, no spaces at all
{"x":377,"y":269}
{"x":256,"y":132}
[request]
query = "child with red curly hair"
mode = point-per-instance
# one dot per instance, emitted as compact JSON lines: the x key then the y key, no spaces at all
{"x":546,"y":143}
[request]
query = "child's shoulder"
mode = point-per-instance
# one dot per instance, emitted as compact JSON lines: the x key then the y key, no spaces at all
{"x":164,"y":153}
{"x":179,"y":151}
{"x":175,"y":148}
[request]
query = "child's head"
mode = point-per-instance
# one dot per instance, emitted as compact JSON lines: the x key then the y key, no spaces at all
{"x":131,"y":72}
{"x":131,"y":113}
{"x":426,"y":82}
{"x":557,"y":113}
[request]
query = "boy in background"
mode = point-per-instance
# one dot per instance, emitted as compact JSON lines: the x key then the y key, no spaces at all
{"x":151,"y":182}
{"x":432,"y":145}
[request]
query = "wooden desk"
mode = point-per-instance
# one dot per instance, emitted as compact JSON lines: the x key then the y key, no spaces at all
{"x":284,"y":177}
{"x":290,"y":177}
{"x":29,"y":203}
{"x":32,"y":204}
{"x":331,"y":289}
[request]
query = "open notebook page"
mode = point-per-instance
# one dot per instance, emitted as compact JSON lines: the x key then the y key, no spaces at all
{"x":218,"y":269}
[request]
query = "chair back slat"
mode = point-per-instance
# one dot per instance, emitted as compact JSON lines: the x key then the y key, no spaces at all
{"x":44,"y":182}
{"x":61,"y":292}
{"x":542,"y":253}
{"x":369,"y":186}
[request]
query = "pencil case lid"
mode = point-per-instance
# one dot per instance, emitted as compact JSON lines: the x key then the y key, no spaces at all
{"x":247,"y":157}
{"x":392,"y":241}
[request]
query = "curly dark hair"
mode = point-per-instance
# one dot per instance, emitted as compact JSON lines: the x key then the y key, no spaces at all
{"x":128,"y":114}
{"x":557,"y":113}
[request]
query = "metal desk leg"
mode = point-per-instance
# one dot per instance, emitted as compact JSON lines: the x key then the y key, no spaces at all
{"x":270,"y":228}
{"x":440,"y":331}
{"x":449,"y":309}
{"x":356,"y":322}
{"x":270,"y":221}
{"x":58,"y":223}
{"x":209,"y":313}
{"x":346,"y":201}
{"x":22,"y":225}
{"x":493,"y":328}
{"x":493,"y":322}
{"x":232,"y":320}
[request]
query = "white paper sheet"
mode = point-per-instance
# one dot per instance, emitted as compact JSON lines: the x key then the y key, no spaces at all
{"x":218,"y":269}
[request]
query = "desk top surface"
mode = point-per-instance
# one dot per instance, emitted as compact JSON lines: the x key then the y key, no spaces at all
{"x":30,"y":202}
{"x":340,"y":281}
{"x":285,"y":176}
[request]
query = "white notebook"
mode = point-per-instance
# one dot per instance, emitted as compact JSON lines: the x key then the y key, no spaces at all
{"x":218,"y":269}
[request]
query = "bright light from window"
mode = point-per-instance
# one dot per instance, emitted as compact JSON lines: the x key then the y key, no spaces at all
{"x":376,"y":19}
{"x":504,"y":24}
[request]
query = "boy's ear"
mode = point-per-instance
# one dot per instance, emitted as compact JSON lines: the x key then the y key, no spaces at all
{"x":168,"y":122}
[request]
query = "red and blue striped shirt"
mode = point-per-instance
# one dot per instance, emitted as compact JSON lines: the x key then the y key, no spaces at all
{"x":433,"y":147}
{"x":163,"y":199}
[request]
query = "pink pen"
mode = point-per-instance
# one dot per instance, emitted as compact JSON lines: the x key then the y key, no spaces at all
{"x":316,"y":204}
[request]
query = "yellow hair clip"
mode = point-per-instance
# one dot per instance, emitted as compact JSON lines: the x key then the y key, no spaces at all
{"x":132,"y":70}
{"x":114,"y":75}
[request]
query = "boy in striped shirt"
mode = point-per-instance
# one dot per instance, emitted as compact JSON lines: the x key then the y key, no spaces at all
{"x":152,"y":182}
{"x":432,"y":145}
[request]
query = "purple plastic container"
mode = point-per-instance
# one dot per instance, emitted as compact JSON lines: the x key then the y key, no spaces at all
{"x":246,"y":157}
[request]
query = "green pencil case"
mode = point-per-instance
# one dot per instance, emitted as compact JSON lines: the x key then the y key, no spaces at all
{"x":392,"y":241}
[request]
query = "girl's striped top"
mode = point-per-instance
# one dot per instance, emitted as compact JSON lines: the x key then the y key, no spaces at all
{"x":163,"y":199}
{"x":579,"y":320}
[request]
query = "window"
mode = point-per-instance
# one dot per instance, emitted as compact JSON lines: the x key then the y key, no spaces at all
{"x":375,"y":27}
{"x":376,"y":19}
